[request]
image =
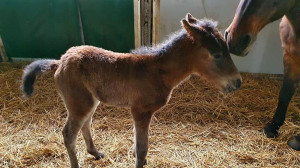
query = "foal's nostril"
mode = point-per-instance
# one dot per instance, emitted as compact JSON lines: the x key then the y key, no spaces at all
{"x":238,"y":83}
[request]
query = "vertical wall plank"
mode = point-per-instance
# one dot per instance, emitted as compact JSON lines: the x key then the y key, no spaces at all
{"x":4,"y":57}
{"x":146,"y":22}
{"x":137,"y":24}
{"x":156,"y":21}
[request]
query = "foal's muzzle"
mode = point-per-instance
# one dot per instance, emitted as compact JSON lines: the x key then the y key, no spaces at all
{"x":232,"y":86}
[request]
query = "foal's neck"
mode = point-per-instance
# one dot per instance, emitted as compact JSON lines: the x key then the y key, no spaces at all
{"x":175,"y":62}
{"x":293,"y":17}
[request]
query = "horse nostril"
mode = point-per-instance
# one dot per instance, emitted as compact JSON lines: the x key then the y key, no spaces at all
{"x":247,"y":40}
{"x":238,"y":83}
{"x":226,"y":35}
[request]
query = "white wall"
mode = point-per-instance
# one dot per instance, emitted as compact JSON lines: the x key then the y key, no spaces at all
{"x":266,"y":54}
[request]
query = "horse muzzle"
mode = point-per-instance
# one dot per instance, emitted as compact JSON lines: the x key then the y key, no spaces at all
{"x":232,"y":85}
{"x":239,"y":46}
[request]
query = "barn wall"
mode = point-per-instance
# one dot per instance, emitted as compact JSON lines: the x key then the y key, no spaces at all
{"x":46,"y":29}
{"x":265,"y":56}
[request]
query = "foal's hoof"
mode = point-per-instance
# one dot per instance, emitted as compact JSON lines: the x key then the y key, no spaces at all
{"x":140,"y":164}
{"x":97,"y":155}
{"x":294,"y":143}
{"x":271,"y":130}
{"x":145,"y":162}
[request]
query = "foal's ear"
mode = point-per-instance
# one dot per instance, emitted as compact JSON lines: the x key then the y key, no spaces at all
{"x":192,"y":29}
{"x":190,"y":18}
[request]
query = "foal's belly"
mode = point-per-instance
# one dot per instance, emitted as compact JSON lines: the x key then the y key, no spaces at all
{"x":118,"y":92}
{"x":113,"y":96}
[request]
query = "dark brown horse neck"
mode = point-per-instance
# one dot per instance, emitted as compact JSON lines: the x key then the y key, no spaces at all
{"x":172,"y":58}
{"x":293,"y":17}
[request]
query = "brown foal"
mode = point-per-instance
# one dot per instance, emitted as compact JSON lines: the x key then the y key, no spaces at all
{"x":142,"y":80}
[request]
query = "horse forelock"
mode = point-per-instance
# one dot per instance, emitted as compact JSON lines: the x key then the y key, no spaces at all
{"x":213,"y":34}
{"x":208,"y":24}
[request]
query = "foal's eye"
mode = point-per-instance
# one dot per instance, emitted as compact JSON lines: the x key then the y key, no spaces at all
{"x":218,"y":56}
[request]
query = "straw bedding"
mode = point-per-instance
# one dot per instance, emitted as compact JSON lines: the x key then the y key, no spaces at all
{"x":200,"y":127}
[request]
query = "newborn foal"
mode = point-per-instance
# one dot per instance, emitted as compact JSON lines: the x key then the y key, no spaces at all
{"x":142,"y":80}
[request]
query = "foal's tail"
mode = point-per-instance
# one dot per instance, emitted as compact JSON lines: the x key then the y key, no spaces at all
{"x":34,"y":69}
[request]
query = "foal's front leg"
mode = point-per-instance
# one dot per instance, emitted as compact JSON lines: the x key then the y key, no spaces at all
{"x":141,"y":127}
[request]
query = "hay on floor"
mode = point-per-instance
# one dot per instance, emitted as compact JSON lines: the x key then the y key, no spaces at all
{"x":199,"y":127}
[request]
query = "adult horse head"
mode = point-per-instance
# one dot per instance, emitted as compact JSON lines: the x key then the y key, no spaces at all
{"x":250,"y":17}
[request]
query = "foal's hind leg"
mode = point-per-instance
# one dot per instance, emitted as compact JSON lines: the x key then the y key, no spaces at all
{"x":80,"y":105}
{"x":70,"y":133}
{"x":86,"y":132}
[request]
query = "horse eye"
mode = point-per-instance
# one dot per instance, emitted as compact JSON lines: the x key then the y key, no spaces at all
{"x":218,"y":56}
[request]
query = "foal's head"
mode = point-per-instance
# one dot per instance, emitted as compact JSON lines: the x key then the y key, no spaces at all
{"x":250,"y":17}
{"x":211,"y":58}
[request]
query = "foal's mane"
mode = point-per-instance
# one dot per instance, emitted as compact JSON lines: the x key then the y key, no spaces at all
{"x":162,"y":48}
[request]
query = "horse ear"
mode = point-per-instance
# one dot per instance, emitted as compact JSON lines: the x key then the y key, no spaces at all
{"x":191,"y":29}
{"x":190,"y":18}
{"x":188,"y":27}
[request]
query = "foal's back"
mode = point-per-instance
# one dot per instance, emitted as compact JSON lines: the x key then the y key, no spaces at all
{"x":114,"y":78}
